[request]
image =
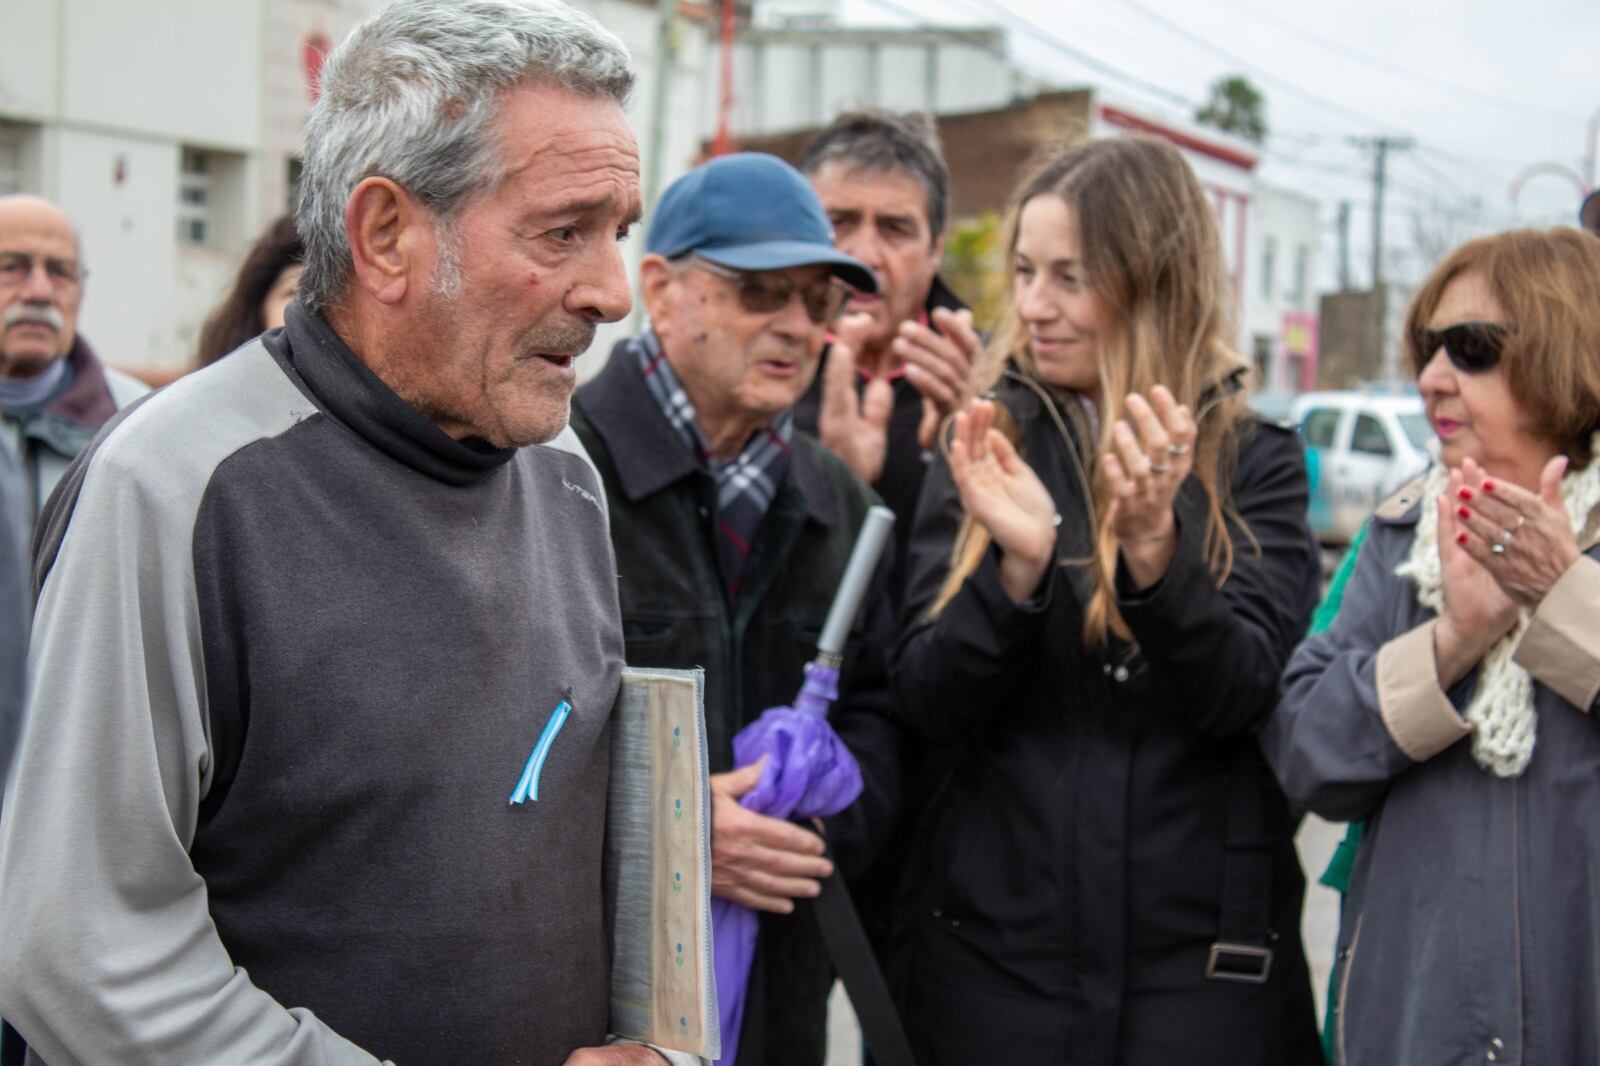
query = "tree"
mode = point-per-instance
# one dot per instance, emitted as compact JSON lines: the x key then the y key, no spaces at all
{"x":1236,"y":106}
{"x":974,"y":267}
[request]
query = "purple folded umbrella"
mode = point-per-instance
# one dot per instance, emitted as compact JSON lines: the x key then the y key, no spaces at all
{"x":809,"y":773}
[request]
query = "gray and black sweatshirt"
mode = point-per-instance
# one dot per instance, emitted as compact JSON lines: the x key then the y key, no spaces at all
{"x":293,"y":651}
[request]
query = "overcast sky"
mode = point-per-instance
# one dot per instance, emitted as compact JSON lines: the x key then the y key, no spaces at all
{"x":1486,"y":89}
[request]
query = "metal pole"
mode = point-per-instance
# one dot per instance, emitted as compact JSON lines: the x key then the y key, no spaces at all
{"x":666,"y":51}
{"x":1377,"y":214}
{"x":1344,"y":245}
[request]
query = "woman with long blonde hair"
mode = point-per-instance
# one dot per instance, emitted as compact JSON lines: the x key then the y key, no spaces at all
{"x":1109,"y":570}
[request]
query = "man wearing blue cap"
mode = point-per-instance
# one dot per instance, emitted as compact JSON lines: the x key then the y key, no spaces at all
{"x":731,"y":532}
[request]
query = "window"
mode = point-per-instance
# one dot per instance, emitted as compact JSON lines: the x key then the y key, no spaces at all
{"x":194,"y":198}
{"x":18,"y":149}
{"x":292,"y":172}
{"x":1370,"y":437}
{"x":1263,"y":345}
{"x":1419,"y":431}
{"x":10,"y":164}
{"x":1269,"y":264}
{"x":1302,"y":274}
{"x":1320,"y":426}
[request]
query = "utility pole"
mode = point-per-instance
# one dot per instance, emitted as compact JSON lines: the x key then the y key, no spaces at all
{"x":1344,"y":245}
{"x":1381,"y":147}
{"x":656,"y":134}
{"x":1388,"y":356}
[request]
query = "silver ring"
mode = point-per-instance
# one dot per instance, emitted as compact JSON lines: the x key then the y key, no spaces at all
{"x":1505,"y":539}
{"x":1177,"y":449}
{"x":1498,"y":549}
{"x":1160,"y":468}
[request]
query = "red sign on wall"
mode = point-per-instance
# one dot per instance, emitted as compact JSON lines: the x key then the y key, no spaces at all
{"x":313,"y":50}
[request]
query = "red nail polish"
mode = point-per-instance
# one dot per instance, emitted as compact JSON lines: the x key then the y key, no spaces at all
{"x":1461,"y":538}
{"x":1488,"y":486}
{"x":1463,"y":512}
{"x":1466,"y":494}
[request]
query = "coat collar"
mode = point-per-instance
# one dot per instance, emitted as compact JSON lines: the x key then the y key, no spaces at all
{"x":649,"y":455}
{"x":87,"y":401}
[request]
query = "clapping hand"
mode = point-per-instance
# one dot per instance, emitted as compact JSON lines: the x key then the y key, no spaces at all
{"x":1523,"y":539}
{"x":1477,"y":612}
{"x":1152,"y":452}
{"x":855,"y":428}
{"x":1005,"y":497}
{"x":939,"y":364}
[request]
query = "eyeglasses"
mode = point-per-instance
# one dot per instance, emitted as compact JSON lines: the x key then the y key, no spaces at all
{"x":766,"y":293}
{"x":1472,"y":347}
{"x":17,"y":267}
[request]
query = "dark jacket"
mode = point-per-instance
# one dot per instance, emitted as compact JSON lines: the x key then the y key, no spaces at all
{"x":50,"y":437}
{"x":1066,"y":882}
{"x":675,"y":613}
{"x":1471,"y":926}
{"x":905,"y":464}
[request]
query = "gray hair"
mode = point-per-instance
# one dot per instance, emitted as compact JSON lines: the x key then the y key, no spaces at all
{"x":412,"y":95}
{"x":872,"y":140}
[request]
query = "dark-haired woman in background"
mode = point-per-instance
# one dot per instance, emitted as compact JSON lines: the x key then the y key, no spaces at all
{"x":1099,"y":617}
{"x":264,"y":287}
{"x":1453,"y":704}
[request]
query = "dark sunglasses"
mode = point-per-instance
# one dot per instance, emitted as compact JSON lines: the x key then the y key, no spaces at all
{"x":1472,"y":347}
{"x":768,"y":293}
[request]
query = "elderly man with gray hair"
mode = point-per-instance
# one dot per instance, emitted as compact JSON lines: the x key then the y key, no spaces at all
{"x":303,"y":615}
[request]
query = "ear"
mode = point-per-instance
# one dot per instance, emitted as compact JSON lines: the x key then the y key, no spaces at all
{"x":658,"y":286}
{"x":382,"y":223}
{"x":936,"y":253}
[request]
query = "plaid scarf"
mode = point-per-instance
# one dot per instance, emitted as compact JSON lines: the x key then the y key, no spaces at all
{"x":746,"y":484}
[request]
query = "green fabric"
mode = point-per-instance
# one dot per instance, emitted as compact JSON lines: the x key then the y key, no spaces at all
{"x":1337,"y":875}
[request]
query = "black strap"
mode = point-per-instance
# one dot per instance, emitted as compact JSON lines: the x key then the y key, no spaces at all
{"x":1242,"y":952}
{"x":852,"y":957}
{"x":12,"y":1050}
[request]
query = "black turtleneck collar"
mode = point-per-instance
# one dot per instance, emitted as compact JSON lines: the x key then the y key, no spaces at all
{"x":347,"y":390}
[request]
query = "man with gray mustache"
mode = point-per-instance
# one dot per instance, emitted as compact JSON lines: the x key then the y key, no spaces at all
{"x":54,"y":392}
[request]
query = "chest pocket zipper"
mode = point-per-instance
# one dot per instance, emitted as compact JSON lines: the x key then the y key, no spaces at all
{"x":528,"y":783}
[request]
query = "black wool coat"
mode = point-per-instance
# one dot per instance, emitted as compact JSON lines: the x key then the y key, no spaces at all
{"x":1066,"y":880}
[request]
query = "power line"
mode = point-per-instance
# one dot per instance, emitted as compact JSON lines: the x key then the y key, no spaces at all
{"x":1045,"y":37}
{"x":1396,"y":69}
{"x":1286,"y":85}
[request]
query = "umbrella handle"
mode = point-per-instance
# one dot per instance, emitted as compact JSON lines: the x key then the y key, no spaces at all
{"x":853,"y":586}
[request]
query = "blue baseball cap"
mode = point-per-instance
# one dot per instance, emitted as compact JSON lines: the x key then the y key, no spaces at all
{"x":750,"y":211}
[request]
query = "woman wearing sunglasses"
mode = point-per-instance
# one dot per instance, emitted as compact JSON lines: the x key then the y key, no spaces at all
{"x":1452,"y":704}
{"x":1102,"y":595}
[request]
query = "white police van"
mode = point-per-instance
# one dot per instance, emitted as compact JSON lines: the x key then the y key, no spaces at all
{"x":1360,"y":447}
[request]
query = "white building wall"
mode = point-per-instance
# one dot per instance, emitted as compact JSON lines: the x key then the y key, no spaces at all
{"x":182,"y":70}
{"x":99,"y":99}
{"x":30,"y":58}
{"x":1282,"y":276}
{"x":789,"y":79}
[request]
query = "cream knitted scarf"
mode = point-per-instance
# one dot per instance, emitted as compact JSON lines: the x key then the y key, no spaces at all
{"x":1501,"y":712}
